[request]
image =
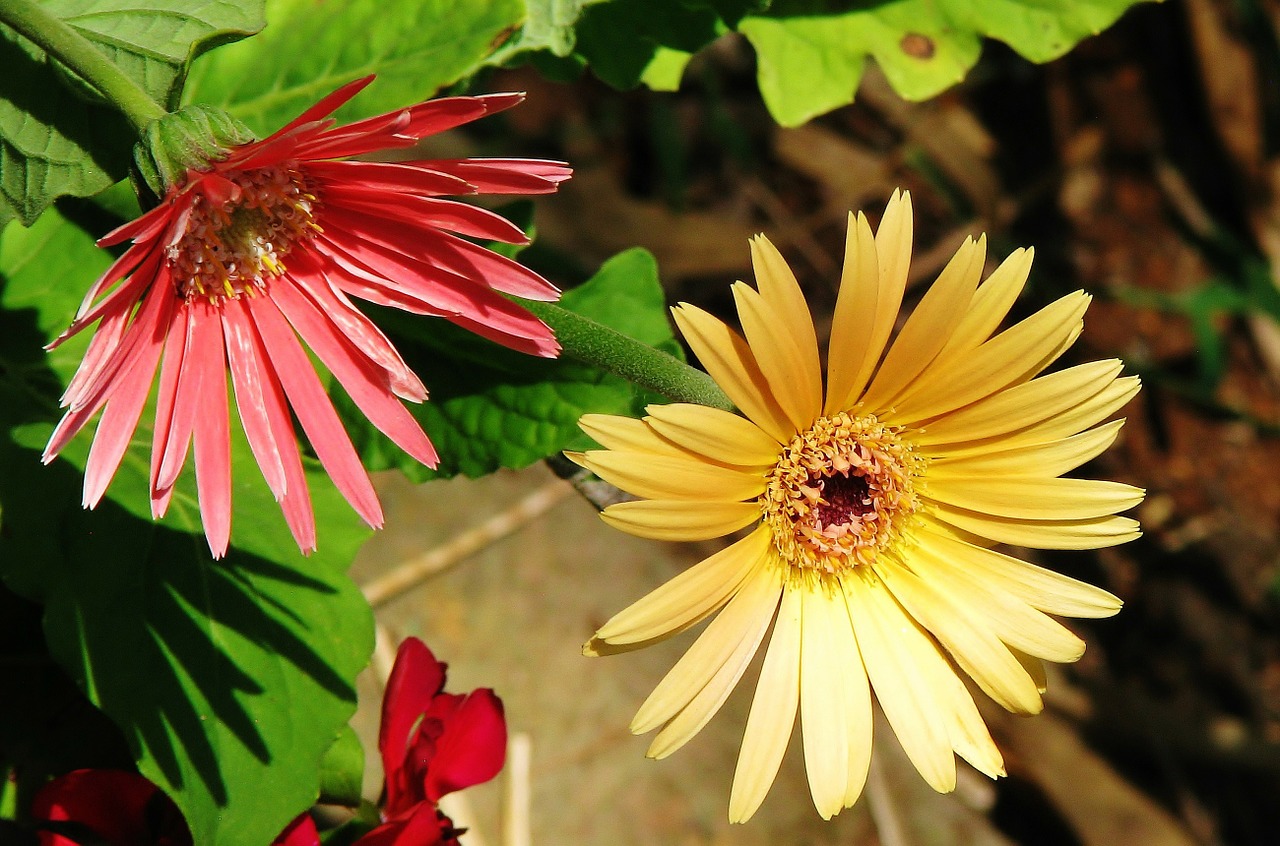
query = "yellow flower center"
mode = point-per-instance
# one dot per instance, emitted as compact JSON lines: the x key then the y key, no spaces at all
{"x":236,"y":246}
{"x":841,"y":492}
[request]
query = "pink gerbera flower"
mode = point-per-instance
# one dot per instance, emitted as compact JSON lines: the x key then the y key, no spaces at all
{"x":261,"y":252}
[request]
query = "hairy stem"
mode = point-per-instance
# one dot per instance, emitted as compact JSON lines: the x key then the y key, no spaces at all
{"x":593,"y":343}
{"x":61,"y":41}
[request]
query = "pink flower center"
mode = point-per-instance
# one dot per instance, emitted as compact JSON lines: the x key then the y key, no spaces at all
{"x":841,"y":492}
{"x":238,"y":230}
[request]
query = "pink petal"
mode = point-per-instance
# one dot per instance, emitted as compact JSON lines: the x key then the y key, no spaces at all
{"x":211,"y":434}
{"x":175,"y":440}
{"x":147,"y":327}
{"x":451,"y":215}
{"x":435,"y":292}
{"x":535,"y":337}
{"x":170,"y":372}
{"x":315,"y":411}
{"x":296,"y":501}
{"x":102,"y":346}
{"x":505,"y":176}
{"x":389,"y":176}
{"x":326,"y":106}
{"x":141,"y":335}
{"x":120,"y":420}
{"x":308,"y":269}
{"x":459,"y":257}
{"x":363,"y":380}
{"x":251,"y":398}
{"x":142,"y":228}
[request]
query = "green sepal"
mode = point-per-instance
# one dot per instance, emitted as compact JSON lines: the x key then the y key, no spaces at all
{"x":189,"y":139}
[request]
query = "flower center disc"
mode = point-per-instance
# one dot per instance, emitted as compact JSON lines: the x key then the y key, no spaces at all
{"x":840,"y":493}
{"x":240,"y":227}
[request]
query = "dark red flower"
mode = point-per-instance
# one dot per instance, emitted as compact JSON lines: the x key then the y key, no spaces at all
{"x":111,"y":807}
{"x":432,"y":743}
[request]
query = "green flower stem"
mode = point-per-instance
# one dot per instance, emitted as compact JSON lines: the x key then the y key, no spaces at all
{"x":60,"y":40}
{"x":608,"y":349}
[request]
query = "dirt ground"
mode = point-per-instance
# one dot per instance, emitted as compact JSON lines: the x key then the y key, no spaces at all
{"x":1143,"y":168}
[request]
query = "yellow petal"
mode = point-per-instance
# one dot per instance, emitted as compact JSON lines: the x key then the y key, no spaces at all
{"x":971,"y":643}
{"x":929,"y":326}
{"x":667,"y":477}
{"x":989,"y":305}
{"x":1013,"y":356}
{"x":1034,"y":668}
{"x":854,"y":318}
{"x":965,"y":727}
{"x":1013,"y":621}
{"x":793,"y":382}
{"x":677,"y":520}
{"x":690,"y":596}
{"x":786,"y":307}
{"x":740,"y":625}
{"x":731,"y":363}
{"x":1051,"y":459}
{"x":1099,"y":407}
{"x":1021,"y":406}
{"x":773,"y":714}
{"x":1044,"y":589}
{"x":895,"y":652}
{"x":616,"y":432}
{"x":1041,"y":534}
{"x":720,"y":435}
{"x":828,"y":653}
{"x":1027,"y":498}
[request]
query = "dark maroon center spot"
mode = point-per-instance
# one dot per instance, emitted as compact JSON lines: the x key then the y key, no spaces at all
{"x":847,"y":497}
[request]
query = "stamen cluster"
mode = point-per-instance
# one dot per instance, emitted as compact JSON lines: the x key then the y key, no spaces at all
{"x":841,"y":492}
{"x":235,"y":246}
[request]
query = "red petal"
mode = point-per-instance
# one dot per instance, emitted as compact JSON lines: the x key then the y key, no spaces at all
{"x":364,"y":381}
{"x":301,"y":832}
{"x":450,"y":215}
{"x":356,"y":326}
{"x":252,"y":397}
{"x":314,"y":410}
{"x":296,"y":500}
{"x":505,"y":176}
{"x":416,"y":677}
{"x":211,"y":434}
{"x":119,"y":807}
{"x":472,"y":748}
{"x":392,"y":176}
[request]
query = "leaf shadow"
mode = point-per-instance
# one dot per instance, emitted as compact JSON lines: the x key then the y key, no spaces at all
{"x":161,"y":624}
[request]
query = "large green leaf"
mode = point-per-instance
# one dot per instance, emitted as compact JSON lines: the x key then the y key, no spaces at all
{"x":56,"y":137}
{"x":811,"y":53}
{"x":224,"y":676}
{"x":491,"y":407}
{"x":308,"y":49}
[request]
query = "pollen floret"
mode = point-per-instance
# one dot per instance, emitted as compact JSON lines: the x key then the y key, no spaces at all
{"x":841,"y":491}
{"x":237,"y":244}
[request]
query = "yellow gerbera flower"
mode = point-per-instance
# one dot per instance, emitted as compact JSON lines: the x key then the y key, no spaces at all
{"x":877,"y":503}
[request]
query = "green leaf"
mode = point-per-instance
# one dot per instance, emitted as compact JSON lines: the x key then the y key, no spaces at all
{"x":811,"y":53}
{"x":491,"y":407}
{"x":224,"y":676}
{"x":549,"y":26}
{"x":342,"y":770}
{"x":309,"y":49}
{"x":56,"y":137}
